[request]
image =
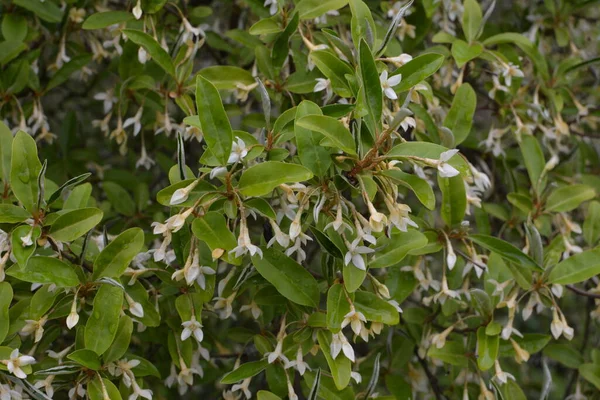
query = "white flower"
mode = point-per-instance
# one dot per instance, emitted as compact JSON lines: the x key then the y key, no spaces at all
{"x":451,"y":256}
{"x":439,"y":339}
{"x":137,"y":10}
{"x":355,"y":319}
{"x":253,"y":308}
{"x":46,"y":384}
{"x":190,"y":30}
{"x":388,"y":84}
{"x":445,"y":293}
{"x":273,"y":6}
{"x":377,"y":220}
{"x":6,"y":393}
{"x":77,"y":392}
{"x":192,"y":327}
{"x":144,"y":160}
{"x":135,"y":121}
{"x":501,"y":377}
{"x":509,"y":70}
{"x":338,"y":224}
{"x":324,"y":85}
{"x":354,"y":254}
{"x":73,"y":317}
{"x":27,"y":239}
{"x":108,"y":98}
{"x":15,"y":362}
{"x":32,"y":326}
{"x":244,"y":243}
{"x":399,"y":60}
{"x":238,"y":151}
{"x":277,"y":353}
{"x":135,"y":308}
{"x":224,"y":306}
{"x":340,"y":343}
{"x":243,"y":387}
{"x":497,"y":86}
{"x":298,"y":363}
{"x":279,"y":236}
{"x":182,"y":194}
{"x":399,"y":215}
{"x":356,"y":376}
{"x":446,"y":170}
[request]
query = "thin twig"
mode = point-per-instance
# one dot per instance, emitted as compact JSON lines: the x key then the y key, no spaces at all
{"x":433,"y":381}
{"x":581,"y":292}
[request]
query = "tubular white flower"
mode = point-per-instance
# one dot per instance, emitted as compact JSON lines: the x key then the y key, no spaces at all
{"x":192,"y":327}
{"x":388,"y":83}
{"x":15,"y":362}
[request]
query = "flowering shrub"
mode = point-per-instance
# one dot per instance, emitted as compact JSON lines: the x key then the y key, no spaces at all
{"x":329,"y":199}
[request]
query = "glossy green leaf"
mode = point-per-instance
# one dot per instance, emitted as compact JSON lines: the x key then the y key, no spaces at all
{"x":533,"y":157}
{"x":74,"y":224}
{"x":6,"y":140}
{"x":119,"y":198}
{"x":568,"y":198}
{"x":420,"y":187}
{"x":335,"y":133}
{"x":11,"y":214}
{"x":591,"y":373}
{"x":87,"y":358}
{"x":290,"y":279}
{"x":464,"y":52}
{"x":95,"y":391}
{"x":246,"y":370}
{"x":505,"y":250}
{"x":337,"y":307}
{"x":427,"y":150}
{"x":262,"y":178}
{"x":565,"y":354}
{"x":452,"y":353}
{"x":418,"y":69}
{"x":310,"y":9}
{"x":397,"y":247}
{"x":20,"y":251}
{"x":577,"y":268}
{"x":114,"y":258}
{"x":25,"y":168}
{"x":375,"y":308}
{"x":334,"y":69}
{"x":454,"y":199}
{"x":227,"y":77}
{"x":471,"y":19}
{"x":370,"y":98}
{"x":312,"y":155}
{"x":105,"y":19}
{"x":213,"y":119}
{"x":460,"y":116}
{"x":45,"y":10}
{"x":49,"y":270}
{"x":64,"y":73}
{"x":6,"y":297}
{"x":153,"y":48}
{"x":591,"y":224}
{"x":121,"y":342}
{"x":101,"y":327}
{"x":487,"y":349}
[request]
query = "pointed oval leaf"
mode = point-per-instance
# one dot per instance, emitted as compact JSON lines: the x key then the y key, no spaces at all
{"x":262,"y":178}
{"x":114,"y":258}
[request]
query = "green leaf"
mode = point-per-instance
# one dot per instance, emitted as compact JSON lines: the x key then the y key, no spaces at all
{"x":511,"y":390}
{"x":335,"y":133}
{"x":505,"y":250}
{"x":119,"y":198}
{"x":337,"y":307}
{"x":591,"y":224}
{"x":460,"y":116}
{"x":213,"y":230}
{"x":312,"y":155}
{"x":266,"y":26}
{"x":526,"y":46}
{"x":101,"y":327}
{"x":376,"y":309}
{"x":6,"y":296}
{"x":74,"y":224}
{"x":153,"y":48}
{"x":454,"y":199}
{"x":290,"y":279}
{"x":19,"y":250}
{"x":568,"y":198}
{"x":418,"y":69}
{"x":280,"y":50}
{"x":427,"y":150}
{"x":11,"y":214}
{"x":310,"y":9}
{"x":353,"y":277}
{"x":6,"y":140}
{"x":79,"y":197}
{"x":264,"y":395}
{"x":227,"y":77}
{"x":591,"y":373}
{"x":46,"y":270}
{"x":471,"y":19}
{"x":87,"y":358}
{"x":340,"y":367}
{"x":334,"y":69}
{"x":533,"y":156}
{"x":370,"y":98}
{"x":62,"y":75}
{"x":452,"y":353}
{"x":120,"y":344}
{"x":9,"y":50}
{"x":25,"y":168}
{"x":68,"y":184}
{"x":565,"y":354}
{"x":45,"y":10}
{"x":362,"y":25}
{"x":114,"y":258}
{"x":106,"y":19}
{"x":487,"y":349}
{"x":577,"y":268}
{"x":164,"y":196}
{"x":262,"y":178}
{"x":397,"y":247}
{"x":213,"y":119}
{"x":244,"y":371}
{"x":464,"y":52}
{"x":95,"y":391}
{"x":421,"y":188}
{"x":14,"y":27}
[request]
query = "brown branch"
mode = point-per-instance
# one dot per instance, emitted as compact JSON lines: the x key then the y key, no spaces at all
{"x":433,"y":381}
{"x":581,"y":292}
